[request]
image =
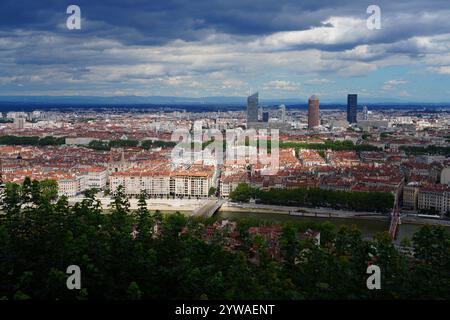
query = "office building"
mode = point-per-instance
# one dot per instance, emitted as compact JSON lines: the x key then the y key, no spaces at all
{"x":313,"y":112}
{"x":252,"y":109}
{"x":283,"y":113}
{"x":352,"y":106}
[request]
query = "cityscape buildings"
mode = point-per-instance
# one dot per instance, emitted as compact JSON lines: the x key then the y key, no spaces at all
{"x":135,"y":165}
{"x":75,"y":162}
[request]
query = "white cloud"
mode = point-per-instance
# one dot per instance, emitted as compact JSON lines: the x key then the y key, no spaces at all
{"x":403,"y":93}
{"x":440,"y":70}
{"x":336,"y":30}
{"x":281,"y":85}
{"x":221,"y":63}
{"x":392,"y":84}
{"x":318,"y":81}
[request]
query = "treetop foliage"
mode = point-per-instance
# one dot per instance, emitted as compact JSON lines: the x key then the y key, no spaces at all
{"x":144,"y":254}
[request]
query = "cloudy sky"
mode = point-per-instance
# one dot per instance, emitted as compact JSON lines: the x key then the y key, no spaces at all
{"x":283,"y":48}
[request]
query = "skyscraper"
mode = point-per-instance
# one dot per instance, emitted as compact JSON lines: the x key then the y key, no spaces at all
{"x":265,"y":116}
{"x":313,"y":112}
{"x":252,"y":108}
{"x":283,"y":113}
{"x":352,"y":105}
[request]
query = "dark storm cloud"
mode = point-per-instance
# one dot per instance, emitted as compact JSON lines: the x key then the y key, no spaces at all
{"x":151,"y":22}
{"x":190,"y":45}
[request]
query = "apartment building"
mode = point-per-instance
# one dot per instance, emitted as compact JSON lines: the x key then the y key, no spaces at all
{"x":68,"y":185}
{"x":134,"y":182}
{"x":230,"y":182}
{"x":194,"y":181}
{"x":93,"y":177}
{"x":410,"y":195}
{"x":436,"y":197}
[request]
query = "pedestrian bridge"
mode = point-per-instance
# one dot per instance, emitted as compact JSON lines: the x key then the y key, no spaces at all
{"x":395,"y":220}
{"x":209,"y":208}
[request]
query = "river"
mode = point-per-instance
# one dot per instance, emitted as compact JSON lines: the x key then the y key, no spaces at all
{"x":368,"y":227}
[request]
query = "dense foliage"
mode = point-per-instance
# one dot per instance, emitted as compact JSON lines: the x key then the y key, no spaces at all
{"x":107,"y":145}
{"x":40,"y":238}
{"x":31,"y":141}
{"x":433,"y":150}
{"x":345,"y":145}
{"x":148,"y":144}
{"x":315,"y":197}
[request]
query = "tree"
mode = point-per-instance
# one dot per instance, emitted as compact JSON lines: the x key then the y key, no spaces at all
{"x":243,"y":192}
{"x":133,"y":291}
{"x":212,"y":191}
{"x":49,"y":189}
{"x":144,"y":220}
{"x":185,"y":261}
{"x":12,"y":200}
{"x":120,"y":211}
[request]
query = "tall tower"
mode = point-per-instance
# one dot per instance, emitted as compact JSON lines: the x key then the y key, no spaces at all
{"x":283,"y":113}
{"x":352,"y":105}
{"x":252,"y":109}
{"x":313,"y":112}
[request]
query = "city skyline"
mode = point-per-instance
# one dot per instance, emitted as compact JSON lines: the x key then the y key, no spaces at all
{"x":285,"y":49}
{"x":253,"y":152}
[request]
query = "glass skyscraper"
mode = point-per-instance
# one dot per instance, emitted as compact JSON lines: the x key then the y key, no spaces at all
{"x":352,"y":107}
{"x":252,"y":108}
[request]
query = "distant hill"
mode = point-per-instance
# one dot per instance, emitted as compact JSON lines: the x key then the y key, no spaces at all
{"x":130,"y":100}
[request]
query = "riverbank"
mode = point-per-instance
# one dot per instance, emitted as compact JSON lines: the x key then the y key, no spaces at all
{"x":187,"y":206}
{"x":301,"y":211}
{"x":424,"y":221}
{"x":166,"y":205}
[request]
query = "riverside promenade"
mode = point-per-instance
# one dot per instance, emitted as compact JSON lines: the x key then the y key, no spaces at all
{"x":153,"y":204}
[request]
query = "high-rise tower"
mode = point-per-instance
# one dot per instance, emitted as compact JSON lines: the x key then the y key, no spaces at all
{"x":283,"y":113}
{"x":313,"y":112}
{"x":252,"y":108}
{"x":352,"y":107}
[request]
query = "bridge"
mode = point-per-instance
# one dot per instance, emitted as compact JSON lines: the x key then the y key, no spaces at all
{"x":395,"y":220}
{"x":209,"y":208}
